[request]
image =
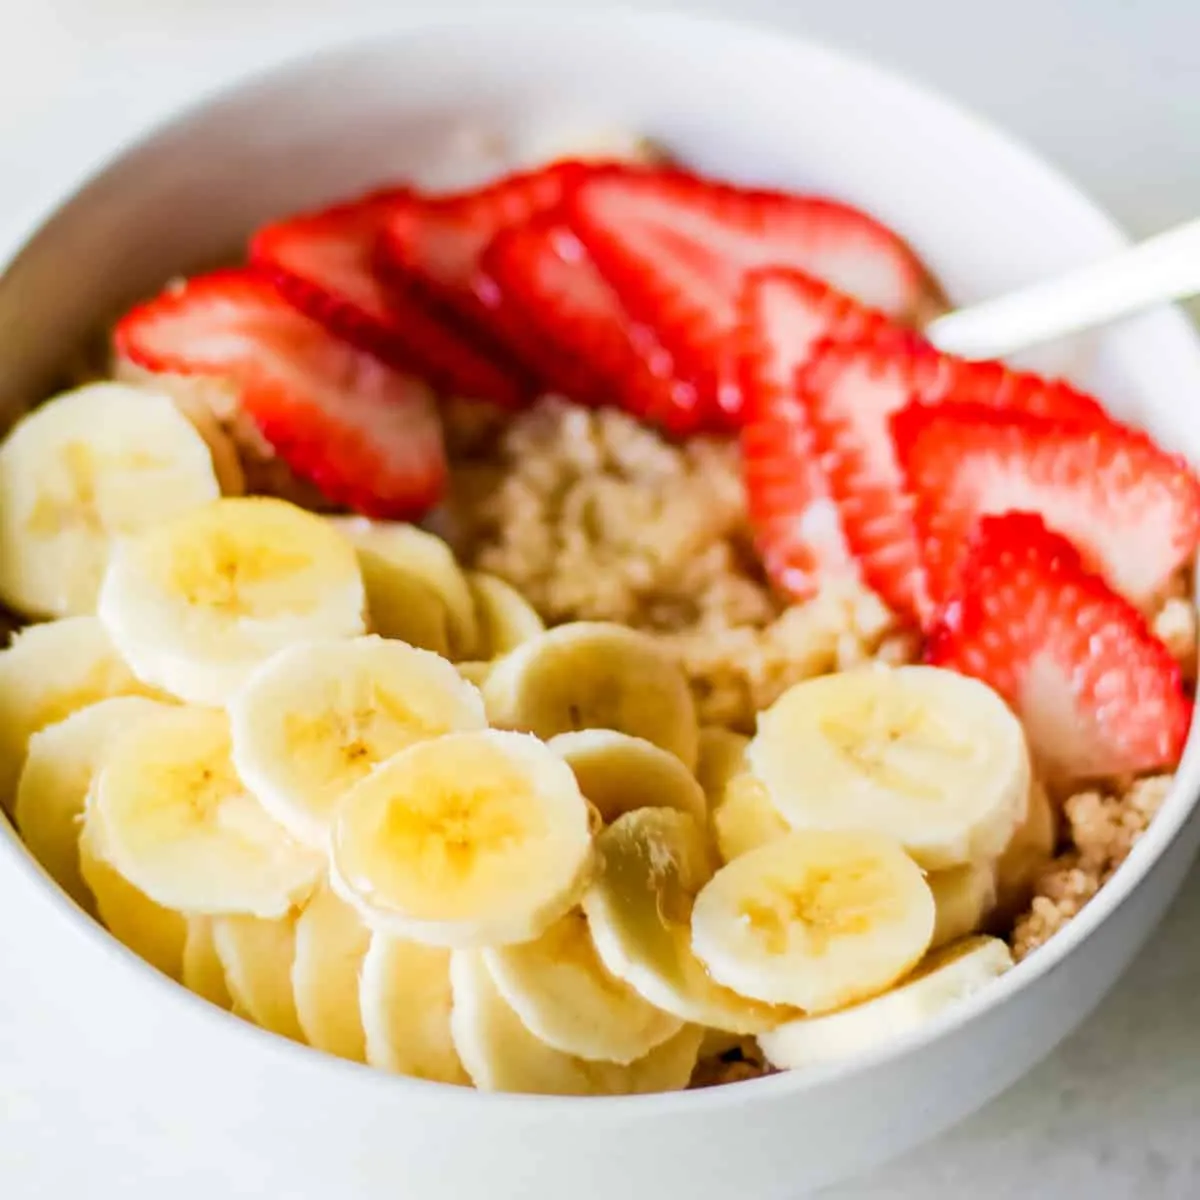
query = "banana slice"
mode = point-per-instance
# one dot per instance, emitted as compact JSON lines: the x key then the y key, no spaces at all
{"x":405,"y":1000}
{"x":152,"y":932}
{"x":197,"y":603}
{"x":567,"y":998}
{"x":59,"y":767}
{"x":101,"y":462}
{"x":963,"y":899}
{"x":593,"y":675}
{"x":319,"y":716}
{"x":619,"y":773}
{"x":744,"y":818}
{"x":174,"y":818}
{"x":943,"y":979}
{"x":202,"y":969}
{"x":929,"y":757}
{"x":257,"y":956}
{"x":471,"y":839}
{"x":653,"y":862}
{"x":393,"y":555}
{"x":331,"y":943}
{"x":474,"y":671}
{"x":721,"y":757}
{"x":404,"y":608}
{"x":501,"y":1055}
{"x":1031,"y":848}
{"x":506,"y":618}
{"x":49,"y":672}
{"x":817,"y":919}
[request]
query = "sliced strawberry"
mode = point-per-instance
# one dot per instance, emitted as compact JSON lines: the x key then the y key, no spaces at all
{"x":435,"y":245}
{"x":1131,"y":509}
{"x":852,"y":389}
{"x":676,"y":248}
{"x":577,"y":334}
{"x":784,"y":315}
{"x":367,"y":435}
{"x":324,"y":264}
{"x":1098,"y":694}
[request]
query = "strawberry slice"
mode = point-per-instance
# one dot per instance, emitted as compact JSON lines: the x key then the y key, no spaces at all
{"x":1098,"y":694}
{"x":784,"y":315}
{"x":677,"y":247}
{"x":324,"y":264}
{"x":577,"y":334}
{"x":366,"y":435}
{"x":435,"y":244}
{"x":1132,"y":509}
{"x":852,"y":390}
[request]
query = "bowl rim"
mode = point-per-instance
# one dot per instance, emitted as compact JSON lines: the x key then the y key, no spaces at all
{"x":356,"y":38}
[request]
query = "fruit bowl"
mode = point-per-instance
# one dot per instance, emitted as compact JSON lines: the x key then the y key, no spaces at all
{"x":206,"y":1097}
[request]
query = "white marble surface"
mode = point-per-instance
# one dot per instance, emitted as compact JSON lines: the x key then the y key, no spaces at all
{"x":1109,"y":89}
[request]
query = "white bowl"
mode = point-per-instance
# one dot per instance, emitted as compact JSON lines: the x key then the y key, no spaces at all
{"x":153,"y":1084}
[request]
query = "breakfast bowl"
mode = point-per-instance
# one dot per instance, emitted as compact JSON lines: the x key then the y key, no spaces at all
{"x":154,"y":1083}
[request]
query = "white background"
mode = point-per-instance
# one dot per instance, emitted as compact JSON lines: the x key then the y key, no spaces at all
{"x":1108,"y":89}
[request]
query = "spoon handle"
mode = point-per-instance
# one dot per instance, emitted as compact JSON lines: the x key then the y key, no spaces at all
{"x":1164,"y":267}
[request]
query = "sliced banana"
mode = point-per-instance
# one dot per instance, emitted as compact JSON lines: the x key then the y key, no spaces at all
{"x":319,"y":716}
{"x":744,"y":818}
{"x":331,"y":942}
{"x":202,"y":969}
{"x":104,"y":461}
{"x":405,"y":609}
{"x":197,"y":603}
{"x":567,"y":998}
{"x":721,"y":757}
{"x":257,"y":956}
{"x":943,"y":979}
{"x":152,"y":932}
{"x":49,"y":672}
{"x":652,"y":864}
{"x":930,"y":757}
{"x":59,"y":768}
{"x":394,"y":555}
{"x":619,"y":773}
{"x":474,"y":671}
{"x":405,"y":999}
{"x":1031,"y":848}
{"x":501,"y":1055}
{"x":470,"y":839}
{"x":963,"y":899}
{"x":594,"y":675}
{"x":506,"y":618}
{"x":174,"y":818}
{"x":817,"y":919}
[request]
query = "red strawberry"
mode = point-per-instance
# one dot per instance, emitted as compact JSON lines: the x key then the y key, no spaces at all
{"x":784,"y":315}
{"x":1098,"y":694}
{"x":577,"y":334}
{"x":435,"y":244}
{"x":368,"y":436}
{"x":851,"y":391}
{"x":1131,"y":509}
{"x":676,"y":248}
{"x":324,"y":264}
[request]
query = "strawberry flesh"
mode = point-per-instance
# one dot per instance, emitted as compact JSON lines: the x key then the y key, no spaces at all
{"x":1098,"y":695}
{"x":851,"y":391}
{"x":677,"y":248}
{"x":576,"y":332}
{"x":434,"y":245}
{"x":783,"y":316}
{"x":324,"y":263}
{"x":1132,"y":510}
{"x":368,"y":436}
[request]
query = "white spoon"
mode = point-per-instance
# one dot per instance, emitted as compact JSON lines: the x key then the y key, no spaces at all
{"x":1165,"y":267}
